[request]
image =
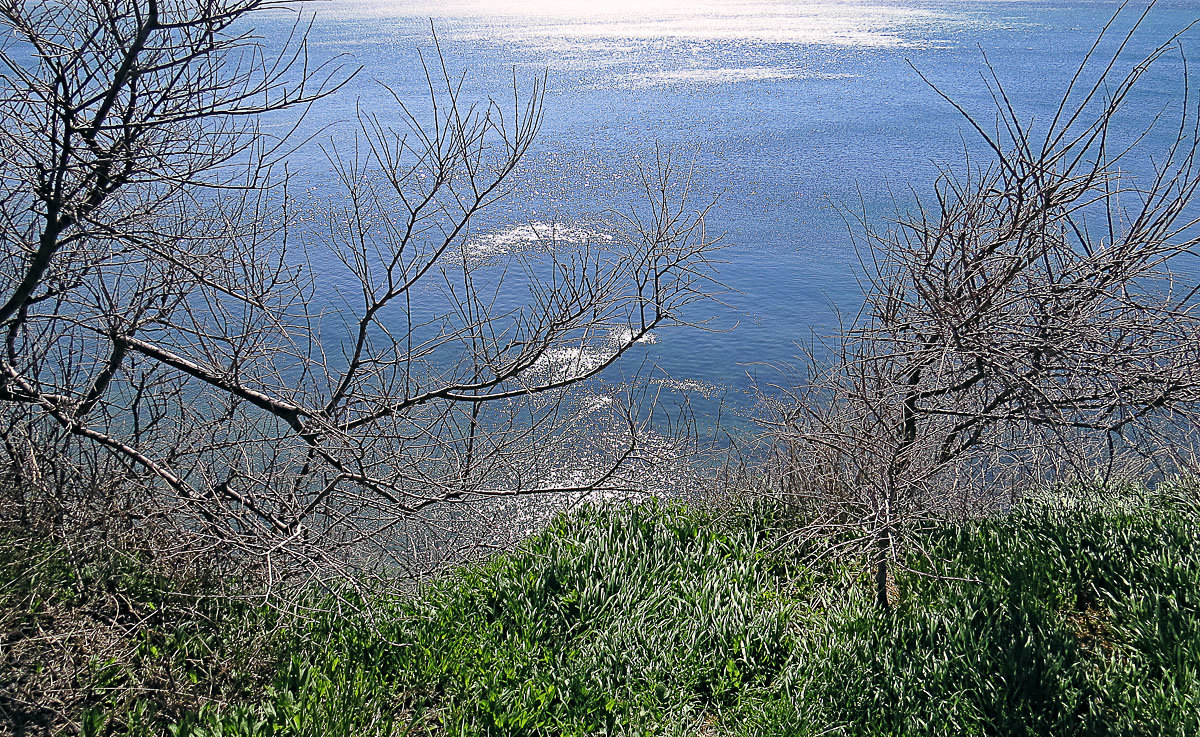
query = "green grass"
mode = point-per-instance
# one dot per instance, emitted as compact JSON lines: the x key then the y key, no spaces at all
{"x":89,"y":633}
{"x":1075,"y":618}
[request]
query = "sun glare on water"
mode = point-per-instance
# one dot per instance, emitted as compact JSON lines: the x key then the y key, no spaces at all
{"x":579,"y":9}
{"x":839,"y":22}
{"x":584,"y":8}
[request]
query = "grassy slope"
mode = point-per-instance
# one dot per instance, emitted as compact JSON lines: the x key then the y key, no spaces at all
{"x":85,"y":630}
{"x":659,"y":619}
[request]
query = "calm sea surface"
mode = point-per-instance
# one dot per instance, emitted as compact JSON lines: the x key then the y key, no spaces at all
{"x":792,"y":111}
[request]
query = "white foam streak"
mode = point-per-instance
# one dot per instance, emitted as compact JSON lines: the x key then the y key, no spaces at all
{"x":531,"y":236}
{"x":729,"y":75}
{"x":564,"y":362}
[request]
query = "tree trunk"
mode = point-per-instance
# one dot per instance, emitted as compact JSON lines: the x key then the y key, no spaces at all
{"x":882,"y":554}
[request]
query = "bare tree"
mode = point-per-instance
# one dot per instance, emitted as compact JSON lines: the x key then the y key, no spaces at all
{"x":164,"y":320}
{"x":1025,"y":325}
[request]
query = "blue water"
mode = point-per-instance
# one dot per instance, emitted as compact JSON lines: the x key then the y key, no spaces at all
{"x":794,"y":113}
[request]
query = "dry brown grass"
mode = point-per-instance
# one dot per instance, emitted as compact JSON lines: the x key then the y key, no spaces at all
{"x":90,"y":619}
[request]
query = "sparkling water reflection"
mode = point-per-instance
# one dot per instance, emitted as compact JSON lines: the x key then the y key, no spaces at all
{"x":802,"y":115}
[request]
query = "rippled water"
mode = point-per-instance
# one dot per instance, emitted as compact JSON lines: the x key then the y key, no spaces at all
{"x":795,"y":112}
